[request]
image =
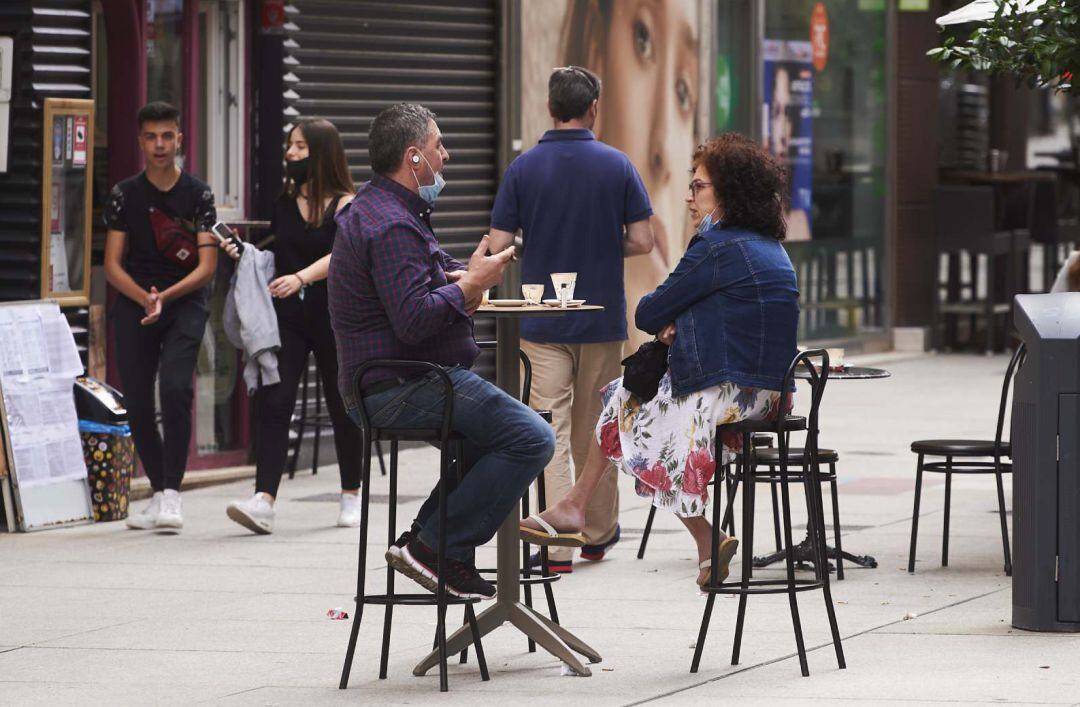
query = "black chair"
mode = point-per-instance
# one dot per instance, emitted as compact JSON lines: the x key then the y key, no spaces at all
{"x":319,"y":421}
{"x":450,"y":445}
{"x":975,"y":454}
{"x":966,"y":219}
{"x":759,"y":440}
{"x":770,"y":458}
{"x":790,"y":585}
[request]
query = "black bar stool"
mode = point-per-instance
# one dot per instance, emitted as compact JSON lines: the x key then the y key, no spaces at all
{"x":319,"y":421}
{"x":759,"y":440}
{"x":450,"y":445}
{"x":998,"y":464}
{"x":791,"y":586}
{"x":770,"y":458}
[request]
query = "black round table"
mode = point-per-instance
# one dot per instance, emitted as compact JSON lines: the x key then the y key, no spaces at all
{"x":804,"y":553}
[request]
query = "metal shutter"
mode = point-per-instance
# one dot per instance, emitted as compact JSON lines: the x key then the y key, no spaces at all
{"x":52,"y":59}
{"x":346,"y":60}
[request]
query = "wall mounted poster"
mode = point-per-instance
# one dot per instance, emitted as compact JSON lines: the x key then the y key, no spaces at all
{"x":787,"y":122}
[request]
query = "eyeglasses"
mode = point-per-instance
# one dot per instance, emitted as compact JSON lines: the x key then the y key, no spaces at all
{"x":697,"y":185}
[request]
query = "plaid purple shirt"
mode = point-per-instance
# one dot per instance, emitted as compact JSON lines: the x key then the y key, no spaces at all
{"x":389,"y":297}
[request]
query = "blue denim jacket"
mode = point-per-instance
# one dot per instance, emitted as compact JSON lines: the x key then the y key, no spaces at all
{"x":735,"y":304}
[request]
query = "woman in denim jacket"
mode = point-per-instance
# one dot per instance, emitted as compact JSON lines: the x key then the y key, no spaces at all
{"x":729,"y":312}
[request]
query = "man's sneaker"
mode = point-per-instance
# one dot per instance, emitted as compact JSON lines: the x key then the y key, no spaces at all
{"x":172,"y":511}
{"x":147,"y":517}
{"x":597,"y":552}
{"x":349,"y":515}
{"x":394,"y":551}
{"x":256,"y":514}
{"x":417,"y":562}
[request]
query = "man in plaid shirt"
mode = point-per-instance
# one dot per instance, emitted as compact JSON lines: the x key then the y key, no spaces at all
{"x":394,"y":293}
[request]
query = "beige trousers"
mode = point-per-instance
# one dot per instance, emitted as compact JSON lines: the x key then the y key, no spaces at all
{"x":567,"y":379}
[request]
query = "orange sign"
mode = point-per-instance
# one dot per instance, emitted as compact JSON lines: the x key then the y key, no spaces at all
{"x":819,"y":36}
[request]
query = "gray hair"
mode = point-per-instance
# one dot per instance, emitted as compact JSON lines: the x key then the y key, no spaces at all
{"x":399,"y":127}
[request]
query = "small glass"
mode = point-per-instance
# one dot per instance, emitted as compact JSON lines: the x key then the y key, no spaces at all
{"x":532,"y":293}
{"x":484,"y":298}
{"x":836,"y":359}
{"x":564,"y":286}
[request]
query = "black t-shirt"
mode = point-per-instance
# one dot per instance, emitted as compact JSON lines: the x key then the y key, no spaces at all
{"x":128,"y":210}
{"x":297,"y":245}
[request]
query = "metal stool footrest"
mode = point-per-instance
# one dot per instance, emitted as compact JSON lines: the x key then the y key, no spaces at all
{"x":762,"y":586}
{"x":414,"y":600}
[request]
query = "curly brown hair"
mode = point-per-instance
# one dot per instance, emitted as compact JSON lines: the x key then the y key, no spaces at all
{"x":751,"y":185}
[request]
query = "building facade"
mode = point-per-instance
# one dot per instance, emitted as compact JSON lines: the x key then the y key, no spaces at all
{"x":840,"y":89}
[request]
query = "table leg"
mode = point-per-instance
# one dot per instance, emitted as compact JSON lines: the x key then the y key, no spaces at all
{"x":553,"y":638}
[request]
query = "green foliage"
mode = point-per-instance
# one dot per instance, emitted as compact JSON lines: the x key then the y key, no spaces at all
{"x":1041,"y":47}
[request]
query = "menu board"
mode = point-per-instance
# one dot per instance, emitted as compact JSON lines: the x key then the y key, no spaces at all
{"x":38,"y":363}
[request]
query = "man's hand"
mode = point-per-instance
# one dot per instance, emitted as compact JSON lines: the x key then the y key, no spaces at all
{"x":152,"y":305}
{"x":667,"y":334}
{"x":453,"y":276}
{"x":485,"y":271}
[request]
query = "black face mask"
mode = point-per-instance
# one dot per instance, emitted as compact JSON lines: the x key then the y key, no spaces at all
{"x":298,"y":170}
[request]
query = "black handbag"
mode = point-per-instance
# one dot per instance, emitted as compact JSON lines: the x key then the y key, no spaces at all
{"x":643,"y":369}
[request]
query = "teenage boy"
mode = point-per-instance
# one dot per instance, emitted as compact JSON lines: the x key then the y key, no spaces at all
{"x":160,"y":255}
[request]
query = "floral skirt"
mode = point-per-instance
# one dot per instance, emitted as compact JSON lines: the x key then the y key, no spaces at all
{"x":667,"y":443}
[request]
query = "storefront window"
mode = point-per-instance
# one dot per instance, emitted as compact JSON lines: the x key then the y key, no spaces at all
{"x":823,"y":111}
{"x":164,"y":51}
{"x":820,"y":105}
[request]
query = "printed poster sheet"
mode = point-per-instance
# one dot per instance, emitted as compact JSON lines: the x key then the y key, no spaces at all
{"x":788,"y":119}
{"x":38,"y":362}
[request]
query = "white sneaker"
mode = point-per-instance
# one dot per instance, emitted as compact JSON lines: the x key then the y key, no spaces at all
{"x":349,"y":517}
{"x":147,"y":517}
{"x":256,"y":514}
{"x":172,"y":511}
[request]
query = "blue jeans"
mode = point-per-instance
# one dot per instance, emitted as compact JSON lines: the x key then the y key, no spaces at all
{"x":507,"y":445}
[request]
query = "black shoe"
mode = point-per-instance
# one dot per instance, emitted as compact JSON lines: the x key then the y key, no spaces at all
{"x":395,"y":549}
{"x":597,"y":552}
{"x":418,"y":562}
{"x":557,"y":566}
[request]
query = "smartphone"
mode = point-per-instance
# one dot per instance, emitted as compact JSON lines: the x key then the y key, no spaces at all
{"x":222,"y":232}
{"x":225,"y":234}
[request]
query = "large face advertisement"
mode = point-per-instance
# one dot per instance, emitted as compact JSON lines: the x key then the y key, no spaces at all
{"x":646,"y":55}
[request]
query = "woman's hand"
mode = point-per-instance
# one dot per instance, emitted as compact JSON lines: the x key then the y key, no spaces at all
{"x":231,"y":249}
{"x":286,"y":286}
{"x":667,"y":334}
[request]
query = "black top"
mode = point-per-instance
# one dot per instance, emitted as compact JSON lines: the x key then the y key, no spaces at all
{"x":128,"y":210}
{"x":297,"y":245}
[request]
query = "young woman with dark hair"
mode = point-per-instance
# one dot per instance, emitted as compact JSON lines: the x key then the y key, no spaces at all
{"x":317,"y":185}
{"x":730,"y":313}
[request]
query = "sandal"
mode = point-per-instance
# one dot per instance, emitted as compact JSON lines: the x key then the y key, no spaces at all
{"x":724,"y":555}
{"x":548,"y":535}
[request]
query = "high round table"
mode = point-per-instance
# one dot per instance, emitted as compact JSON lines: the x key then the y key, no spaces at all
{"x":804,"y":551}
{"x":508,"y":607}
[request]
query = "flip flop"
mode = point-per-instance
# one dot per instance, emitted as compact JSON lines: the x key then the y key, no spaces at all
{"x":724,"y":556}
{"x":548,"y":535}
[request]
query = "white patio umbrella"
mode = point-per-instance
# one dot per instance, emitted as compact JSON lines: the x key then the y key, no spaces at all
{"x":982,"y":10}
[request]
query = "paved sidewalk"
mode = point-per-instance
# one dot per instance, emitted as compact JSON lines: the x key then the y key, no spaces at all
{"x":101,"y":614}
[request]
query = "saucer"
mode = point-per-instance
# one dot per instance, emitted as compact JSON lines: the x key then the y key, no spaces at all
{"x":569,"y":303}
{"x":507,"y":302}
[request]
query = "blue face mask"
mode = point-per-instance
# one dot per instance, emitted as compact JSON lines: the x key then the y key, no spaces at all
{"x":707,"y":223}
{"x":430,"y":192}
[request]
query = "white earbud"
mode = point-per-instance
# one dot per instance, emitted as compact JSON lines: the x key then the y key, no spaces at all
{"x":416,"y":159}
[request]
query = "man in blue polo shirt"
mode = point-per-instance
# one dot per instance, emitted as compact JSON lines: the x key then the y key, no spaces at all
{"x":581,"y":207}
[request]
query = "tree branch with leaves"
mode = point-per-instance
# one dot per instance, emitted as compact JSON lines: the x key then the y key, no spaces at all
{"x":1039,"y":46}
